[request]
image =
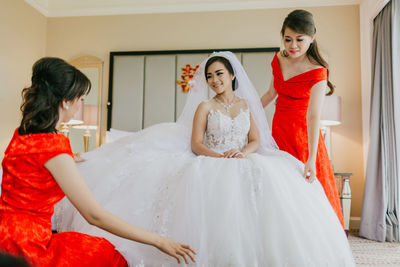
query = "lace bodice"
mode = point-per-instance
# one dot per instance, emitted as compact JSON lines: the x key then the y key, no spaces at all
{"x":224,"y":133}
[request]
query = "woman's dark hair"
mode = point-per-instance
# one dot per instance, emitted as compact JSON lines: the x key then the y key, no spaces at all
{"x":227,"y":65}
{"x":8,"y":260}
{"x":301,"y":21}
{"x":53,"y":80}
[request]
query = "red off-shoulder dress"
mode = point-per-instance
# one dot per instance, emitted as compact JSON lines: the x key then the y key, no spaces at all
{"x":289,"y":126}
{"x":28,"y":195}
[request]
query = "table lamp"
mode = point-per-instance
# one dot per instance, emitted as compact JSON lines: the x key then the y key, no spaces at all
{"x":90,"y":118}
{"x":331,"y":115}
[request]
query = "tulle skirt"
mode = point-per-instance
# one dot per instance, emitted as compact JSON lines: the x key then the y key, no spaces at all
{"x":255,"y":211}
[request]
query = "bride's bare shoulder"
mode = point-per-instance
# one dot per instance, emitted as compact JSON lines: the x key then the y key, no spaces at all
{"x":204,"y":106}
{"x":242,"y":102}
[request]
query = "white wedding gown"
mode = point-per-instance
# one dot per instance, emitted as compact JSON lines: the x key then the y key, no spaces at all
{"x":255,"y":211}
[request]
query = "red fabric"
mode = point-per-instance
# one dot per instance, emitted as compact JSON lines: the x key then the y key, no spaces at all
{"x":289,"y":126}
{"x":28,"y":195}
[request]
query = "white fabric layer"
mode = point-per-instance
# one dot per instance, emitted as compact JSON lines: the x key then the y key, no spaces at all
{"x":256,"y":211}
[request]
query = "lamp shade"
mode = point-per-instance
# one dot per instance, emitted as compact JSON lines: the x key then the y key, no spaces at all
{"x":73,"y":122}
{"x":90,"y":114}
{"x":331,"y":111}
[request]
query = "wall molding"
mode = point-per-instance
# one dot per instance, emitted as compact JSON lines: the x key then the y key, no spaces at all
{"x":40,"y":5}
{"x":49,"y":9}
{"x":355,"y":223}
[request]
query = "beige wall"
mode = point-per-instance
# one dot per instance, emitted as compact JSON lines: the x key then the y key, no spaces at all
{"x":338,"y":32}
{"x":338,"y":35}
{"x":23,"y":41}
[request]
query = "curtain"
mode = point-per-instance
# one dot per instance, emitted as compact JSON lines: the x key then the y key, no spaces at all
{"x":380,"y":211}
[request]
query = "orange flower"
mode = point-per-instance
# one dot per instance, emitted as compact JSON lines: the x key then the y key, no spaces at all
{"x":187,"y":75}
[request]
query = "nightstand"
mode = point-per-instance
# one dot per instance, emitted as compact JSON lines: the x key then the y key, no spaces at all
{"x":343,"y":186}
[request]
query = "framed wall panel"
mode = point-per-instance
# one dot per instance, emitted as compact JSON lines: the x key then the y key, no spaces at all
{"x":159,"y":93}
{"x":182,"y":61}
{"x":143,"y":87}
{"x":127,"y":94}
{"x":258,"y":68}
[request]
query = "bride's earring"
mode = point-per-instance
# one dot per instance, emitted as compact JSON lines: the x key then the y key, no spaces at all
{"x":66,"y":107}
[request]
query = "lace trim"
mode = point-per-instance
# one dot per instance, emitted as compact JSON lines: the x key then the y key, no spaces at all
{"x":224,"y":133}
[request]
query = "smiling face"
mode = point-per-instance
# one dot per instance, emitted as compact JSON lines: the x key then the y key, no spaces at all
{"x":296,"y":44}
{"x":218,"y":77}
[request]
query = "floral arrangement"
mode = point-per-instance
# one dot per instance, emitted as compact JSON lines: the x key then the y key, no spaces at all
{"x":187,"y":74}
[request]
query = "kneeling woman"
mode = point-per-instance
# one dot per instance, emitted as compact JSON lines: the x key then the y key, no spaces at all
{"x":38,"y":169}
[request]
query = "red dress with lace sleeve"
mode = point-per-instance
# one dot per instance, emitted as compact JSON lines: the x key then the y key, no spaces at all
{"x":28,"y":195}
{"x":289,"y":126}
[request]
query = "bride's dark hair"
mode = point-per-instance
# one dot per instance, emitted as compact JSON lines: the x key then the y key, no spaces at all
{"x":53,"y":80}
{"x":301,"y":21}
{"x":227,"y":65}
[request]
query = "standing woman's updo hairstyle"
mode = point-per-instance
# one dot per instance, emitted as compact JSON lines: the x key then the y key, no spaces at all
{"x":301,"y":21}
{"x":227,"y":65}
{"x":53,"y":80}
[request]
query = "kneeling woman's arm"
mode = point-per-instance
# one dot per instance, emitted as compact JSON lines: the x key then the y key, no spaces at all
{"x":198,"y":131}
{"x":65,"y":172}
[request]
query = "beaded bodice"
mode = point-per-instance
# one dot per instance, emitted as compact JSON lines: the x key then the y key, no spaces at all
{"x":224,"y":133}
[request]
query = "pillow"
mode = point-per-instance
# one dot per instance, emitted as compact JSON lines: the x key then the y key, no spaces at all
{"x":114,"y":134}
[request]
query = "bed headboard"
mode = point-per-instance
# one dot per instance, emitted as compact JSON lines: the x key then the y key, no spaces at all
{"x":143,"y":87}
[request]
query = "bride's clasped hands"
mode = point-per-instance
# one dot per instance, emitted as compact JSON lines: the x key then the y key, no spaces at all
{"x":234,"y":153}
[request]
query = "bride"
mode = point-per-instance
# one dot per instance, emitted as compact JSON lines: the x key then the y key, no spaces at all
{"x":238,"y":202}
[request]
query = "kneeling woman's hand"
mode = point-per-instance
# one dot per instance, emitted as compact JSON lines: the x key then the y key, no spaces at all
{"x":176,"y":249}
{"x":78,"y":158}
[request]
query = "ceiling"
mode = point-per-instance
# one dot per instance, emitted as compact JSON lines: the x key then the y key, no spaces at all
{"x":67,"y":8}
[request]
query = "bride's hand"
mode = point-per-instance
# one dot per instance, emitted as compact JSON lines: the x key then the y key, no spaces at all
{"x":309,"y":170}
{"x":233,"y":153}
{"x":175,"y":249}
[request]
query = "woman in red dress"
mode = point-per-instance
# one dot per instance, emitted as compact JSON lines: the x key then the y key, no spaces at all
{"x":38,"y":169}
{"x":300,"y":80}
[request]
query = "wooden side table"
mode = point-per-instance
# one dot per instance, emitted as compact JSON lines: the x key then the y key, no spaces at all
{"x":343,"y":186}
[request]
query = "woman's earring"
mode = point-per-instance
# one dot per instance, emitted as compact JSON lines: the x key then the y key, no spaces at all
{"x":66,"y":108}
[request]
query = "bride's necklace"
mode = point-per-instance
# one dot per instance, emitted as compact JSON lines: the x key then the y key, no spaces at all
{"x":226,"y":107}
